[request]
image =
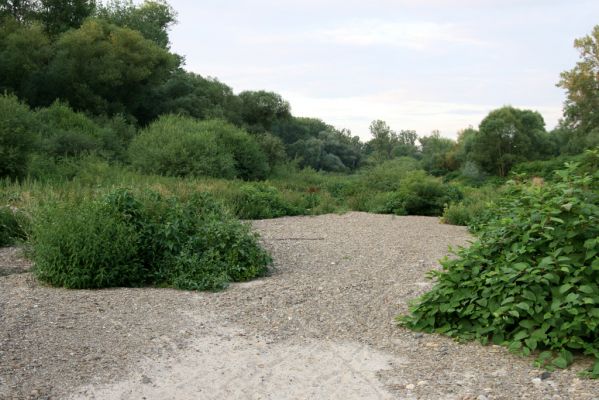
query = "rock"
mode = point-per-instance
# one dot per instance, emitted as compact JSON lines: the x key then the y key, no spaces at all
{"x":545,"y":375}
{"x":410,"y":386}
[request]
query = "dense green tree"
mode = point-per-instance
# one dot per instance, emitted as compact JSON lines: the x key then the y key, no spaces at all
{"x":61,"y":15}
{"x":383,"y":140}
{"x":19,"y":10}
{"x":190,"y":94}
{"x":405,"y":144}
{"x":507,"y":136}
{"x":105,"y":69}
{"x":290,"y":130}
{"x":435,"y":151}
{"x":151,"y":18}
{"x":18,"y":136}
{"x":183,"y":146}
{"x":259,"y":110}
{"x":331,"y":150}
{"x":387,"y":144}
{"x":581,"y":118}
{"x":24,"y":54}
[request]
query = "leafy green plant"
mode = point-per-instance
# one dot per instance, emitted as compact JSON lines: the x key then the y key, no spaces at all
{"x":259,"y":201}
{"x":18,"y":136}
{"x":530,"y":280}
{"x":13,"y":226}
{"x":419,"y":194}
{"x":182,"y":146}
{"x":124,"y":239}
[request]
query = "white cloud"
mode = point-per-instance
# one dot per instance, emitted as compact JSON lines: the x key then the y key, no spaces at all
{"x":412,"y":35}
{"x":423,"y":35}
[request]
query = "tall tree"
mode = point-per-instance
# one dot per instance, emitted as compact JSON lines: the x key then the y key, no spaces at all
{"x":105,"y":69}
{"x":259,"y":110}
{"x":61,"y":15}
{"x":20,"y":10}
{"x":581,"y":109}
{"x":507,"y":136}
{"x":151,"y":18}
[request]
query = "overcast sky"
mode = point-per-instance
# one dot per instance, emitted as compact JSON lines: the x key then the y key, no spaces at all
{"x":417,"y":64}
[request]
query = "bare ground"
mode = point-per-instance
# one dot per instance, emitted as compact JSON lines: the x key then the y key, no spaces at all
{"x":321,"y":326}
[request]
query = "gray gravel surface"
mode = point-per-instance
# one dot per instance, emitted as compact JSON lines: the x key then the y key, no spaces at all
{"x":337,"y":280}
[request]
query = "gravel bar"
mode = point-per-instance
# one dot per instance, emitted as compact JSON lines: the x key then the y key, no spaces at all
{"x":322,"y":325}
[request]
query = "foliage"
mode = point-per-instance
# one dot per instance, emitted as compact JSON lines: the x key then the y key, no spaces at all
{"x":260,"y":201}
{"x":259,"y":110}
{"x":331,"y":150}
{"x":472,"y":209}
{"x":105,"y":69}
{"x":507,"y":136}
{"x":128,"y":240}
{"x":418,"y":195}
{"x":59,"y":16}
{"x":24,"y":54}
{"x":151,"y":18}
{"x":182,"y":146}
{"x":581,"y":83}
{"x":388,"y":175}
{"x":13,"y":226}
{"x":530,"y":280}
{"x":435,"y":153}
{"x":18,"y":134}
{"x":387,"y":144}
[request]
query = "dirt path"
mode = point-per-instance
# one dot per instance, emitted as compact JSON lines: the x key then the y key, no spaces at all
{"x":322,"y":326}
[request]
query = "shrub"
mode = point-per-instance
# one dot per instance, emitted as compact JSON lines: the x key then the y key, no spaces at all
{"x":530,"y":281}
{"x":85,"y":245}
{"x":419,"y":194}
{"x":260,"y":201}
{"x":388,"y":175}
{"x":66,"y":132}
{"x":13,"y":225}
{"x":182,"y":146}
{"x":18,"y":135}
{"x":471,"y":210}
{"x":127,"y":240}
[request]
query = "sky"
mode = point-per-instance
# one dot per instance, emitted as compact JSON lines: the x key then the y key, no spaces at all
{"x":417,"y":64}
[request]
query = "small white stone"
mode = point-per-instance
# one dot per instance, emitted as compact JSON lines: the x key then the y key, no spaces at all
{"x":421,"y":383}
{"x":410,"y":386}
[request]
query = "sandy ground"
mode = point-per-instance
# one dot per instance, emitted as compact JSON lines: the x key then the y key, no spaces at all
{"x":320,"y":327}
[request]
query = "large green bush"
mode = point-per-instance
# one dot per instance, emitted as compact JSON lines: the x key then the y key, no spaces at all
{"x":18,"y":135}
{"x":128,"y":240}
{"x":419,"y":194}
{"x":530,"y":282}
{"x":260,"y":201}
{"x":183,"y":146}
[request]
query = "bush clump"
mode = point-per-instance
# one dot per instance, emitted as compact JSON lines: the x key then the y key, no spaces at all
{"x":530,"y":281}
{"x":260,"y":201}
{"x":419,"y":194}
{"x":128,"y":240}
{"x":182,"y":146}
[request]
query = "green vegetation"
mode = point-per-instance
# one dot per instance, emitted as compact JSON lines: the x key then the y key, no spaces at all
{"x":131,"y":240}
{"x":530,"y":280}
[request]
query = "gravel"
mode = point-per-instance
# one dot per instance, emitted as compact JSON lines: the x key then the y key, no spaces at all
{"x":320,"y":326}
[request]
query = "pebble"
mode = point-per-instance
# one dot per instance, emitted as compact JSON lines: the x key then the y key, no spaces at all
{"x":410,"y":386}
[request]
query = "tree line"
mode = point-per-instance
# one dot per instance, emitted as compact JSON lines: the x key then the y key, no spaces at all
{"x":80,"y":76}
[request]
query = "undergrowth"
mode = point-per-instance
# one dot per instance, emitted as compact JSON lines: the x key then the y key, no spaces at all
{"x":126,"y":239}
{"x":530,"y":281}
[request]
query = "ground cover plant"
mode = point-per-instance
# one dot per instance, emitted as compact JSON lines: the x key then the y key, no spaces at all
{"x":127,"y":239}
{"x":530,"y":281}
